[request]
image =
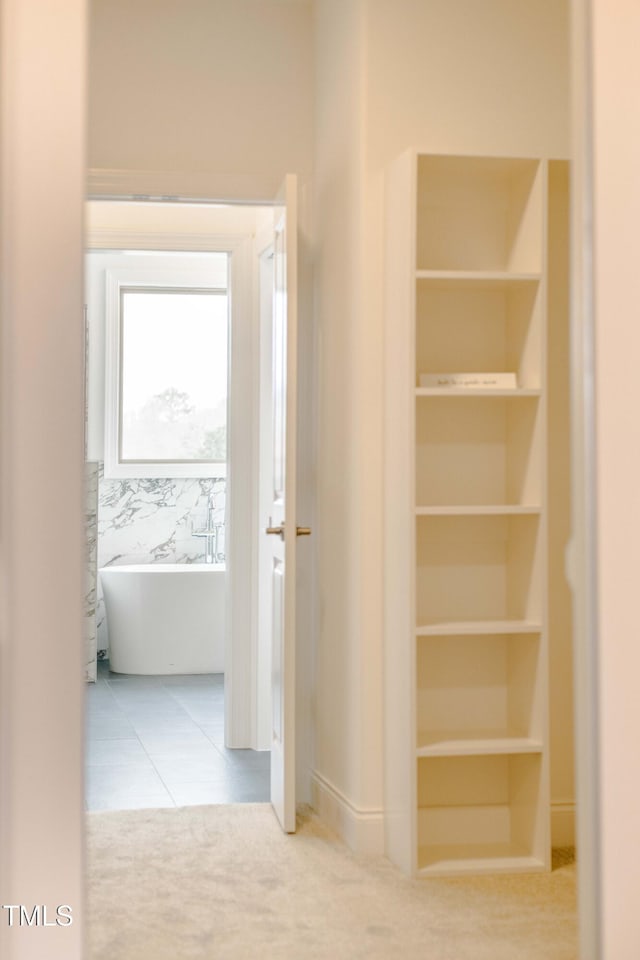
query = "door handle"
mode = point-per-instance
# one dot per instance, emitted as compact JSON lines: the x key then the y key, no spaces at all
{"x":279,"y":531}
{"x":276,"y":531}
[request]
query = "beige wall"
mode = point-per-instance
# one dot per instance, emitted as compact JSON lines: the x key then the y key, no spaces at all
{"x":218,"y":87}
{"x":42,"y":56}
{"x":615,"y":138}
{"x":467,"y":77}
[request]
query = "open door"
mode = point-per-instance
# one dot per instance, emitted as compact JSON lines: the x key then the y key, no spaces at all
{"x":282,"y":529}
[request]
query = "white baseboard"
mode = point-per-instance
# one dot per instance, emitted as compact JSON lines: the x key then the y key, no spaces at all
{"x":563,"y":823}
{"x":361,"y":830}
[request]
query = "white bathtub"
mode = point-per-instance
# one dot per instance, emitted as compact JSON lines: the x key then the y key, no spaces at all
{"x":165,"y":618}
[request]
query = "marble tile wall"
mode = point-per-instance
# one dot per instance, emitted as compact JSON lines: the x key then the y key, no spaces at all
{"x":91,"y":540}
{"x":152,"y":521}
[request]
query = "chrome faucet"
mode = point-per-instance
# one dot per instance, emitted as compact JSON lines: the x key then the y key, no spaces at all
{"x":211,"y":532}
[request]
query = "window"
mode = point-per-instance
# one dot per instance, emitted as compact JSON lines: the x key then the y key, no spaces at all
{"x":166,"y":376}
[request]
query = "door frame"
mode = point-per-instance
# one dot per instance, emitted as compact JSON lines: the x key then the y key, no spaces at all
{"x":241,"y":654}
{"x":262,"y":678}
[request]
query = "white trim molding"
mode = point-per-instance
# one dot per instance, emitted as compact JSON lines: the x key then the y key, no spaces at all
{"x":563,"y":823}
{"x":230,"y":229}
{"x":361,"y":829}
{"x":175,"y":185}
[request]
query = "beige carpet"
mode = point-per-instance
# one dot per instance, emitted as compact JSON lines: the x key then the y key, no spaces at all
{"x":223,"y":883}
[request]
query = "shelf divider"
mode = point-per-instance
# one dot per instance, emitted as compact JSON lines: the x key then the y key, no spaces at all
{"x":459,"y":745}
{"x":465,"y":510}
{"x":484,"y":278}
{"x":477,"y":392}
{"x":477,"y":627}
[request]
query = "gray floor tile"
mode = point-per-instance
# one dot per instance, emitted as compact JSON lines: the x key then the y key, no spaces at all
{"x":109,"y":728}
{"x":194,"y":794}
{"x":203,"y":716}
{"x":213,"y":700}
{"x":210,"y":710}
{"x":187,"y":747}
{"x":197,"y":694}
{"x":98,"y":695}
{"x":155,"y":740}
{"x":151,"y":708}
{"x":152,"y":696}
{"x":158,"y":725}
{"x":247,"y":760}
{"x":249,"y":790}
{"x":126,"y":778}
{"x":103,"y":708}
{"x":133,"y":681}
{"x":209,"y":767}
{"x":116,"y":752}
{"x":214,"y":732}
{"x":194,"y":680}
{"x":174,"y":742}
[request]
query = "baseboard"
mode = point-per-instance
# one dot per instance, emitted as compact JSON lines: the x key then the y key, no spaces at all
{"x":361,"y":830}
{"x":563,"y":823}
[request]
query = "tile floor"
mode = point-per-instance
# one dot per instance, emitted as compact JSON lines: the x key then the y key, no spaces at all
{"x":159,"y":742}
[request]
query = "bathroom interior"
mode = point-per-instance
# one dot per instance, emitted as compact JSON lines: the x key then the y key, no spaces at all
{"x":161,"y":378}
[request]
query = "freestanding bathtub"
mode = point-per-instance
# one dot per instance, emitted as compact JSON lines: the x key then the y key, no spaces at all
{"x":165,"y":618}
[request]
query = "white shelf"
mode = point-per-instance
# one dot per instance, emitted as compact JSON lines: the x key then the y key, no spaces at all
{"x":478,"y":627}
{"x":469,"y":744}
{"x":483,"y":279}
{"x":480,"y":510}
{"x":466,"y":660}
{"x":450,"y":860}
{"x":476,"y":392}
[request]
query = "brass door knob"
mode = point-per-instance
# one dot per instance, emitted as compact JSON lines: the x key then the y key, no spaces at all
{"x":276,"y":531}
{"x":279,"y":531}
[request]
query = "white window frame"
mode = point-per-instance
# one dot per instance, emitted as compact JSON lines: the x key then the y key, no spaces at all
{"x":148,"y":277}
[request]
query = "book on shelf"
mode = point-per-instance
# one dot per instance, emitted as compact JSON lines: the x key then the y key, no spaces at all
{"x":489,"y":381}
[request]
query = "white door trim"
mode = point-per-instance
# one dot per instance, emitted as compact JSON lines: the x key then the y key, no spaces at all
{"x":242,"y":467}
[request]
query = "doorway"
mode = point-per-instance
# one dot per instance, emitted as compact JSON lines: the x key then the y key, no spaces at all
{"x":186,"y":737}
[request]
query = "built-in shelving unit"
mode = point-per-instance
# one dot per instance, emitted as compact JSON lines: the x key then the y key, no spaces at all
{"x":466,"y":759}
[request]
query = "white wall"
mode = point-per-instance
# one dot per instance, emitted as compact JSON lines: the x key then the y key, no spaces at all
{"x":470,"y":77}
{"x":221,"y":88}
{"x":347,"y":731}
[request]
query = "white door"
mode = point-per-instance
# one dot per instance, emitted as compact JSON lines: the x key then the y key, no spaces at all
{"x":282,"y":531}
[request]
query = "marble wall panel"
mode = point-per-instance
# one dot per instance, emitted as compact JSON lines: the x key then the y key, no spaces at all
{"x":153,"y":521}
{"x":91,"y":542}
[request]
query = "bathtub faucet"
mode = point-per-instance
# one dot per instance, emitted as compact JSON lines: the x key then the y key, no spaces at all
{"x":213,"y":532}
